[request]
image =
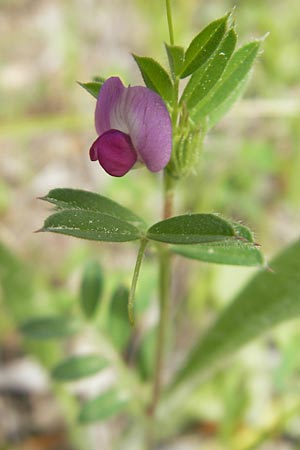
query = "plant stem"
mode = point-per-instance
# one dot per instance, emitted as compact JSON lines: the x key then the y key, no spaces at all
{"x":164,"y":282}
{"x":134,"y":280}
{"x":164,"y":291}
{"x":170,"y":23}
{"x":168,"y":196}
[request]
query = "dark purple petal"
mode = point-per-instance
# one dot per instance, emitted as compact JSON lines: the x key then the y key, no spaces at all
{"x":107,"y":103}
{"x":115,"y":152}
{"x":149,"y":126}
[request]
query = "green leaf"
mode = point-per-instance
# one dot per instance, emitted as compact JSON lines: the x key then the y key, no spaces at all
{"x":103,"y":407}
{"x":91,"y":225}
{"x":89,"y":201}
{"x":118,"y":327}
{"x":155,"y":77}
{"x":231,"y":252}
{"x":229,"y":87}
{"x":50,"y":327}
{"x":204,"y":79}
{"x":176,"y":57}
{"x":270,"y":298}
{"x":91,"y":288}
{"x":240,"y":251}
{"x":204,"y":45}
{"x":92,"y":87}
{"x":242,"y":231}
{"x":77,"y":367}
{"x":191,"y":229}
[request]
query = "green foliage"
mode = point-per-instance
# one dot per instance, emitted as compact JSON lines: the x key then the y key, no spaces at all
{"x":155,"y":77}
{"x":118,"y":327}
{"x":270,"y":298}
{"x":191,"y":229}
{"x":51,"y":327}
{"x":229,"y":87}
{"x":176,"y":57}
{"x":91,"y":288}
{"x":241,"y":252}
{"x":230,"y":252}
{"x":204,"y":45}
{"x":90,"y":201}
{"x":77,"y":367}
{"x":93,"y":87}
{"x":205,"y":78}
{"x":103,"y":407}
{"x":91,"y":225}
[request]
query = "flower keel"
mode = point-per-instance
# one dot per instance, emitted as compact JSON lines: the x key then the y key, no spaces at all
{"x":115,"y":152}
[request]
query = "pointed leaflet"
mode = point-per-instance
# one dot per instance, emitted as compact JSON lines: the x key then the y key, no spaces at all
{"x":229,"y":87}
{"x":204,"y":79}
{"x":204,"y":45}
{"x":91,"y":225}
{"x":89,"y":201}
{"x":92,"y":87}
{"x":270,"y":298}
{"x":240,"y":252}
{"x":191,"y":229}
{"x":77,"y":367}
{"x":230,"y":252}
{"x":175,"y":57}
{"x":155,"y":77}
{"x":103,"y":407}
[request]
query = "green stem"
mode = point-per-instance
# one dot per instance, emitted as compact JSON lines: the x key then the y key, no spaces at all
{"x":135,"y":277}
{"x":170,"y":23}
{"x":164,"y":294}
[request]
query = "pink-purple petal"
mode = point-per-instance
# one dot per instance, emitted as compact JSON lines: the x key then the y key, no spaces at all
{"x":107,"y":104}
{"x":149,"y":126}
{"x":115,"y":152}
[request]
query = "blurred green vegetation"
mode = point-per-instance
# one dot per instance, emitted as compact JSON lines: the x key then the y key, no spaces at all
{"x":249,"y":171}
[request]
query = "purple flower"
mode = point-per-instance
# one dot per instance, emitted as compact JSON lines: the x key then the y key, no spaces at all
{"x":134,"y":127}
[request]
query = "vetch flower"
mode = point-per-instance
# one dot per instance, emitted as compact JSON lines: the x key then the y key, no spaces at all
{"x":134,"y":127}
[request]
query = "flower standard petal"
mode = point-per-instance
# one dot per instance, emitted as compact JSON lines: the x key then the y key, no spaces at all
{"x":115,"y":152}
{"x":107,"y":104}
{"x":149,"y":126}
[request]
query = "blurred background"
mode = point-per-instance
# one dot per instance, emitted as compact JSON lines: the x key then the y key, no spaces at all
{"x":249,"y":171}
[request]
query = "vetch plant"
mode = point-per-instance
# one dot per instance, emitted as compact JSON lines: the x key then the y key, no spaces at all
{"x":159,"y":128}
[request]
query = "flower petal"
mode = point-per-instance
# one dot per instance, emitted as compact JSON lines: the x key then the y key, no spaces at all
{"x":140,"y":113}
{"x":107,"y":103}
{"x":115,"y":152}
{"x":149,"y":126}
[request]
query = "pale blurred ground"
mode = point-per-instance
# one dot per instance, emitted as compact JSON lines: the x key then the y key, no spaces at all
{"x":46,"y":128}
